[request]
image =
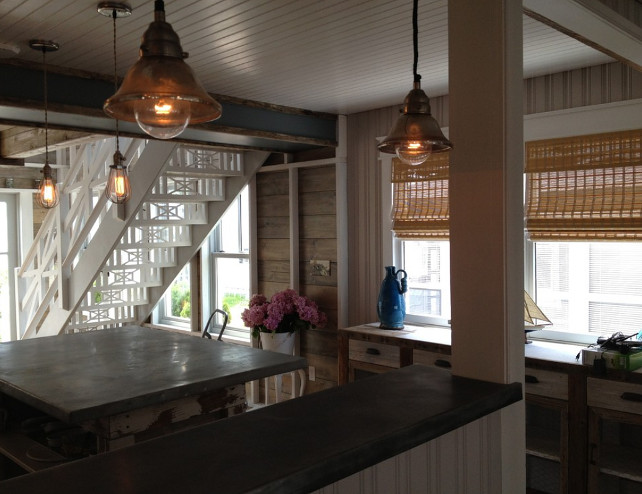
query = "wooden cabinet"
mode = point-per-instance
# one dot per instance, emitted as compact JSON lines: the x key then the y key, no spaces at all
{"x":546,"y":431}
{"x":583,"y":433}
{"x":615,"y":436}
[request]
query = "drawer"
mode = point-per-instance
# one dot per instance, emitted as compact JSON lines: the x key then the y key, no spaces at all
{"x":546,"y":383}
{"x":614,"y":395}
{"x":374,"y":353}
{"x":424,"y":357}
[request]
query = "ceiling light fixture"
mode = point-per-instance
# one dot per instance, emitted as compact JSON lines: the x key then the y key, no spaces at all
{"x":48,"y":196}
{"x":160,"y":91}
{"x":118,"y":189}
{"x":416,"y":134}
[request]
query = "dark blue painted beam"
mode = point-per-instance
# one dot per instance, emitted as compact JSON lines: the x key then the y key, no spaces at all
{"x":76,"y":99}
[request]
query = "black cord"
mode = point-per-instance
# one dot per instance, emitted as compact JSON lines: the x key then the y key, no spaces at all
{"x":114,"y":15}
{"x":415,"y":42}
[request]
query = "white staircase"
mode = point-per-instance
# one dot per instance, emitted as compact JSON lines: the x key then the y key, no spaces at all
{"x":94,"y":264}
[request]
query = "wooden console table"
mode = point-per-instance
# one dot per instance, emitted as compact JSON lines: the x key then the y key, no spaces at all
{"x":433,"y":339}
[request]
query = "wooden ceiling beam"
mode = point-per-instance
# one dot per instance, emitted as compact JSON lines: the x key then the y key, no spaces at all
{"x":25,"y":142}
{"x":592,"y":23}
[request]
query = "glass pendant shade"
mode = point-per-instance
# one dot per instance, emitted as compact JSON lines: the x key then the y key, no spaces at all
{"x":416,"y":134}
{"x":118,"y":189}
{"x":160,"y":92}
{"x":48,"y":196}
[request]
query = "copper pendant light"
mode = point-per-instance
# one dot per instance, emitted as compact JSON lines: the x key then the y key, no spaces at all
{"x":416,"y":134}
{"x":160,"y":91}
{"x":118,"y":189}
{"x":47,"y":196}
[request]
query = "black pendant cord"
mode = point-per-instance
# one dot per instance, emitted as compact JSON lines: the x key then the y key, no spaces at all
{"x":114,"y":15}
{"x":415,"y":42}
{"x":44,"y":64}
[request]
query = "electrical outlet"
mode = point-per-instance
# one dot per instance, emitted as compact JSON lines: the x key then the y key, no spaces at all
{"x":312,"y":373}
{"x":320,"y":268}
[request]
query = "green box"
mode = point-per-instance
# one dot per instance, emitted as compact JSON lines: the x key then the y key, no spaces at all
{"x":614,"y":359}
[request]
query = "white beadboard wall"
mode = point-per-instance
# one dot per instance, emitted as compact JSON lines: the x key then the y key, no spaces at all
{"x":456,"y":463}
{"x":597,"y":85}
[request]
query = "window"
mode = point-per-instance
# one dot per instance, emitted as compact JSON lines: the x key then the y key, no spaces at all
{"x":590,"y":287}
{"x":587,"y":189}
{"x":230,"y":248}
{"x":427,"y":263}
{"x":8,"y":261}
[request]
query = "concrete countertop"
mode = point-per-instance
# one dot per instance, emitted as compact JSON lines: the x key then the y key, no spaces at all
{"x":296,"y":446}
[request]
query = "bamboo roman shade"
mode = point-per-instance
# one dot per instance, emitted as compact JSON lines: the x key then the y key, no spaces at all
{"x":420,"y":198}
{"x":585,"y":188}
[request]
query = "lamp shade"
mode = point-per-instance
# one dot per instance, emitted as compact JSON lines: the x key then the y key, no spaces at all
{"x":416,"y":134}
{"x":160,"y":92}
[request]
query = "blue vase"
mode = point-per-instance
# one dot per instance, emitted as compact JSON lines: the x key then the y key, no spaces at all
{"x":391,"y":306}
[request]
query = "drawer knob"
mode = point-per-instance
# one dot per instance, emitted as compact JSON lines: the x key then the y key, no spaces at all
{"x":440,"y":362}
{"x":373,"y":351}
{"x":631,"y":396}
{"x":531,"y":379}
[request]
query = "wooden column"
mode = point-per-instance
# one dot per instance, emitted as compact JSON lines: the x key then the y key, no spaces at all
{"x":486,"y":221}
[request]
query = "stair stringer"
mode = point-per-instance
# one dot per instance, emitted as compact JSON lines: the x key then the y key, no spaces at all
{"x":252,"y":161}
{"x":77,"y":281}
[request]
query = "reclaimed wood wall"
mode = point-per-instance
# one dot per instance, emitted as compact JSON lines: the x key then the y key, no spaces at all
{"x":286,"y":262}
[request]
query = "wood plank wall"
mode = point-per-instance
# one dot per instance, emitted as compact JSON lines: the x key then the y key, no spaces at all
{"x":317,"y":241}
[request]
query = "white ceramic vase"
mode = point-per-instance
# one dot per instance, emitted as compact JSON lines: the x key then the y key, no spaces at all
{"x":278,"y":342}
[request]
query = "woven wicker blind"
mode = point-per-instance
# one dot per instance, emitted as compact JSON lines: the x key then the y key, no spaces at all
{"x":585,"y":188}
{"x":420,"y":198}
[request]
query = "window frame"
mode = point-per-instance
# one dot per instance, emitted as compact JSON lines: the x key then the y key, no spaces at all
{"x":236,"y":334}
{"x":13,"y":250}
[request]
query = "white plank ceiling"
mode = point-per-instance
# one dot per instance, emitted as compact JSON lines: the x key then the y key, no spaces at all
{"x":338,"y":56}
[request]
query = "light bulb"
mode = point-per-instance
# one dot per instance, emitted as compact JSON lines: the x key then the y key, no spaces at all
{"x":162,"y":118}
{"x":414,"y":152}
{"x":48,"y":193}
{"x":118,"y":187}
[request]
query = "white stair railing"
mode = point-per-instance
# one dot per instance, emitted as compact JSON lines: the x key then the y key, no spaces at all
{"x":45,"y":293}
{"x":92,"y":263}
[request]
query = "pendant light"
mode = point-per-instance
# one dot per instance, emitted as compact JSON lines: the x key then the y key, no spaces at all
{"x":416,"y":134}
{"x":48,"y":196}
{"x":118,"y":189}
{"x":160,"y":91}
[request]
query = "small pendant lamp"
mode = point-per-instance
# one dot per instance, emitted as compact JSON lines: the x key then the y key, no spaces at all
{"x":48,"y":196}
{"x":118,"y":189}
{"x":160,"y":91}
{"x":416,"y":134}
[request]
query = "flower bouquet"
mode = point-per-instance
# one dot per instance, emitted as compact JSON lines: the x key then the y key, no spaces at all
{"x":285,"y":312}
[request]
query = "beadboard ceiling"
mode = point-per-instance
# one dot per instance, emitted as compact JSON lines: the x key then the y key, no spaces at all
{"x":338,"y":56}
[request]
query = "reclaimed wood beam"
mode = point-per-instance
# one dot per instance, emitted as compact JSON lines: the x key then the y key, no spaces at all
{"x":24,"y":142}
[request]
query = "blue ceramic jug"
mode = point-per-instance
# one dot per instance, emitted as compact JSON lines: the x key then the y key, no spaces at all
{"x":391,"y":306}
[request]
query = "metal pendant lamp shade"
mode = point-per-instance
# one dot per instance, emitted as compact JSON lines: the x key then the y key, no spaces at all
{"x":160,"y":92}
{"x":416,"y":134}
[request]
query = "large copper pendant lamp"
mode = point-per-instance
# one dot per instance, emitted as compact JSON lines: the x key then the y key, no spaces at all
{"x":160,"y":91}
{"x":416,"y":134}
{"x":48,"y":196}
